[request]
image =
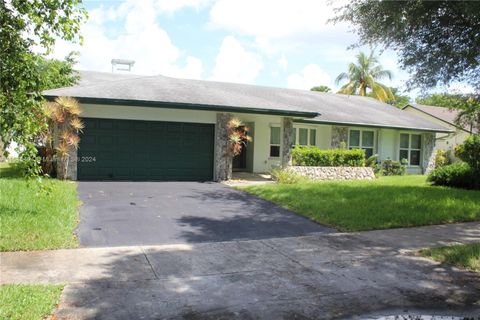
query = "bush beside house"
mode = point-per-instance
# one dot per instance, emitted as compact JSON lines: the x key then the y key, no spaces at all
{"x":464,"y":174}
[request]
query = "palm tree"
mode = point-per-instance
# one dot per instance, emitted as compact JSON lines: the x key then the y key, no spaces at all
{"x":364,"y":75}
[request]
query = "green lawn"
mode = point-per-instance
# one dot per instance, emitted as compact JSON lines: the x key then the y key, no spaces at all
{"x":465,"y":256}
{"x":28,"y":302}
{"x":387,"y":202}
{"x":36,"y":215}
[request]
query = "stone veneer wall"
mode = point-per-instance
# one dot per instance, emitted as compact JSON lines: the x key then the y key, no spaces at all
{"x":428,"y":153}
{"x":339,"y":135}
{"x":223,"y":161}
{"x":334,"y":173}
{"x":287,"y":143}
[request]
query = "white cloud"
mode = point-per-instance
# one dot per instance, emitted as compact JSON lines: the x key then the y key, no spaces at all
{"x":283,"y":62}
{"x":273,"y":18}
{"x":171,"y":6}
{"x":310,"y":76}
{"x":235,"y":64}
{"x":141,"y":39}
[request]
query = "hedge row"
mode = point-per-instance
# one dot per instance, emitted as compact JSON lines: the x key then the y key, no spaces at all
{"x":457,"y":175}
{"x":315,"y":157}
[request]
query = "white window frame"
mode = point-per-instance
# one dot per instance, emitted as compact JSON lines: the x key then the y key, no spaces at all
{"x":279,"y":145}
{"x":410,"y":148}
{"x":360,"y":142}
{"x":297,"y":136}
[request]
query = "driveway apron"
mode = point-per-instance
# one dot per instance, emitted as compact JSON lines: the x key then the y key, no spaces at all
{"x":147,"y":213}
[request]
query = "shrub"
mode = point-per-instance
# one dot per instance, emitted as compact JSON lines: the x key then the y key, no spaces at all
{"x":287,"y":177}
{"x":372,"y":161}
{"x":391,"y":168}
{"x":469,"y":152}
{"x":458,"y":175}
{"x":442,"y":158}
{"x":315,"y":157}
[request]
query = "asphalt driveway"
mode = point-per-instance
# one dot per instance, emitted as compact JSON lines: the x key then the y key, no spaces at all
{"x":149,"y":213}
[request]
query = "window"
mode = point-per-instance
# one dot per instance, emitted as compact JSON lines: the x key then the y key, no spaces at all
{"x":303,"y":137}
{"x":306,"y":137}
{"x":362,"y":139}
{"x":274,"y":141}
{"x":313,"y":137}
{"x":410,"y":148}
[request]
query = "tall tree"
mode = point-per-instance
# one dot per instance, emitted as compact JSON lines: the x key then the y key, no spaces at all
{"x":437,"y":41}
{"x":321,"y":89}
{"x":364,"y":75}
{"x":57,"y":73}
{"x":25,"y":25}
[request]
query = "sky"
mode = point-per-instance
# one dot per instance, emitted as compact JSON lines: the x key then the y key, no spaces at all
{"x":277,"y":43}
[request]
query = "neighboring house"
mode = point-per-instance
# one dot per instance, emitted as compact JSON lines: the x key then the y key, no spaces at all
{"x":446,"y":118}
{"x":161,"y":128}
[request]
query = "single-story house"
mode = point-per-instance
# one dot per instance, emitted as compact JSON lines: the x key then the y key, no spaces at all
{"x":444,"y":117}
{"x":162,"y":128}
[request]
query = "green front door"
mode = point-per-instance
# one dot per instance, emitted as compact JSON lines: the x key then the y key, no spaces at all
{"x":113,"y":149}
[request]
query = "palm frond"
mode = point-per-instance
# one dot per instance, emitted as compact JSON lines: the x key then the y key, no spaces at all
{"x":341,"y":77}
{"x":234,"y":123}
{"x":349,"y":88}
{"x":77,"y":124}
{"x":69,"y":105}
{"x":63,"y":149}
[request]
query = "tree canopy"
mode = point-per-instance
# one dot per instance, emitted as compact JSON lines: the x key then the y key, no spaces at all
{"x":321,"y":89}
{"x":364,"y":75}
{"x":437,"y":41}
{"x":58,"y":73}
{"x":25,"y":25}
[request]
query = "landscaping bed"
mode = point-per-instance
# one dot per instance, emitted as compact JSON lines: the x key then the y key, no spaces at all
{"x":387,"y":202}
{"x":36,"y":215}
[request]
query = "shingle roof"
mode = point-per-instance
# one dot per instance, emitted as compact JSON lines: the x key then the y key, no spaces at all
{"x":441,"y":113}
{"x":320,"y":107}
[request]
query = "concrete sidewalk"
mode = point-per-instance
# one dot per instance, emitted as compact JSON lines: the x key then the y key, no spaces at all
{"x":319,"y":276}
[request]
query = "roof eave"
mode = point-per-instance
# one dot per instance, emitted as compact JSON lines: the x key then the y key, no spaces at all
{"x":189,"y":106}
{"x":353,"y":124}
{"x":435,"y":117}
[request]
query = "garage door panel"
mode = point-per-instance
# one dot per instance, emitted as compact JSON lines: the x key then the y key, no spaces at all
{"x":146,"y":150}
{"x":105,"y":124}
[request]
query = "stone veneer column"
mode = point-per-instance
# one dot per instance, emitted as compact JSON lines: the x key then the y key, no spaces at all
{"x":339,"y":135}
{"x":287,"y":142}
{"x":223,"y":160}
{"x":428,"y":163}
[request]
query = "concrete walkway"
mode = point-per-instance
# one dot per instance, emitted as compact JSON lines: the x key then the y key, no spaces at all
{"x":320,"y":276}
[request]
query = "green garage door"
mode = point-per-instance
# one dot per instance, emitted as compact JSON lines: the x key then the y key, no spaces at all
{"x":145,"y":150}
